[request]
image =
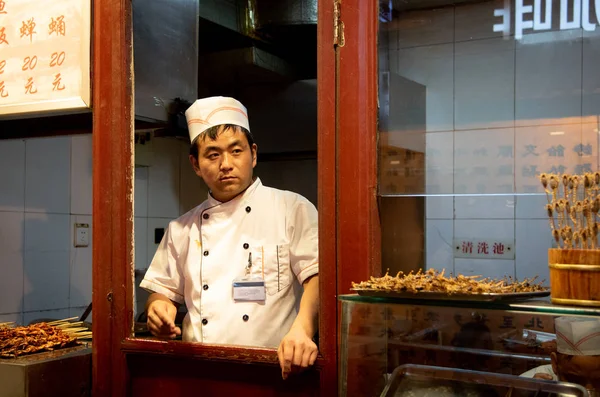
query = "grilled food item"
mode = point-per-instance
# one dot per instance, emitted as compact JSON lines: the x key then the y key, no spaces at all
{"x":435,"y":281}
{"x":34,"y":338}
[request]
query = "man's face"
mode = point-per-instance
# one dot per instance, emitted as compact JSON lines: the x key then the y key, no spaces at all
{"x":226,"y":163}
{"x":583,"y":370}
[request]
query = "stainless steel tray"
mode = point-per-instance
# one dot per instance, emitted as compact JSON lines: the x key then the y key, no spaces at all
{"x":412,"y":380}
{"x":487,"y":297}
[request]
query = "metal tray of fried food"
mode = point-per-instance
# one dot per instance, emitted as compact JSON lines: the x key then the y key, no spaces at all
{"x":413,"y":380}
{"x":482,"y":297}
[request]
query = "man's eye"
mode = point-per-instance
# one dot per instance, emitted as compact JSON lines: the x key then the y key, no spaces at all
{"x":213,"y":156}
{"x":237,"y":151}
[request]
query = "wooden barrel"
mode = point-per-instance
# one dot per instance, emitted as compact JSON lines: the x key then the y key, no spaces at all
{"x":574,"y":276}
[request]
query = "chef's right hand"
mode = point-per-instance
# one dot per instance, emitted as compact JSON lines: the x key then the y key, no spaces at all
{"x":543,"y":376}
{"x":161,"y":319}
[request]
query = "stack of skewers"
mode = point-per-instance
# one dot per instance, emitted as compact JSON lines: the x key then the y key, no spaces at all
{"x":47,"y":336}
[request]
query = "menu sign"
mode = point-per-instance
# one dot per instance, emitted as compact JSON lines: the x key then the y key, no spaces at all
{"x":44,"y":56}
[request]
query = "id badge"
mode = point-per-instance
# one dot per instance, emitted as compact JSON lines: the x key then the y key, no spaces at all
{"x":249,"y":289}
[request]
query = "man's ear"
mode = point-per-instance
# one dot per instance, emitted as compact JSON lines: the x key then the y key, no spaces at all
{"x":254,"y":150}
{"x":195,"y":165}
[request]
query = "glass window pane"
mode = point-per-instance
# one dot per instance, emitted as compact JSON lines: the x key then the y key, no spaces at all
{"x":477,"y":99}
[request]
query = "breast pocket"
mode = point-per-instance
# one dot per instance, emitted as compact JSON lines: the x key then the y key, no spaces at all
{"x":277,"y":270}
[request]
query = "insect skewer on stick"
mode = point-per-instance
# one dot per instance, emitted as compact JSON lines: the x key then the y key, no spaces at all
{"x":573,"y":209}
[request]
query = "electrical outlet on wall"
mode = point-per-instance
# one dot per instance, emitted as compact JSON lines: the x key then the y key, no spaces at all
{"x":82,"y":235}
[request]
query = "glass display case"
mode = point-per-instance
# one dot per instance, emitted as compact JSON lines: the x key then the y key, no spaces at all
{"x":380,"y":334}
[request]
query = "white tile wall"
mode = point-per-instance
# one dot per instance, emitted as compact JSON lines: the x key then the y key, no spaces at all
{"x":46,"y":261}
{"x":140,"y":200}
{"x":141,"y":243}
{"x":546,"y":85}
{"x":484,"y":207}
{"x":484,"y":84}
{"x":163,"y":179}
{"x":12,"y":175}
{"x":591,"y":77}
{"x":545,"y":148}
{"x":484,"y":161}
{"x":493,"y":268}
{"x":484,"y":229}
{"x":531,"y":206}
{"x":531,"y":254}
{"x":439,"y":207}
{"x":11,"y":283}
{"x":154,"y":223}
{"x":78,"y":312}
{"x":433,"y":67}
{"x":548,"y":78}
{"x":32,"y":316}
{"x":47,"y":188}
{"x":12,"y":317}
{"x":474,"y":21}
{"x":80,"y":280}
{"x":589,"y":151}
{"x":47,"y":182}
{"x":439,"y":241}
{"x":421,"y":28}
{"x":81,"y":174}
{"x":439,"y":162}
{"x":283,"y":175}
{"x":11,"y":261}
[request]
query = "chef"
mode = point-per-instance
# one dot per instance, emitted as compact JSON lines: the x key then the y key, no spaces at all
{"x":577,"y":359}
{"x":245,"y":261}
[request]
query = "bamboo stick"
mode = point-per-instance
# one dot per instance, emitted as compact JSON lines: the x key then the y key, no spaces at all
{"x":73,"y":330}
{"x":67,"y":325}
{"x":66,"y":320}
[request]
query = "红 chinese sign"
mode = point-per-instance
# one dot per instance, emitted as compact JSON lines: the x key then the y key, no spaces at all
{"x":44,"y":55}
{"x":484,"y":249}
{"x":537,"y":15}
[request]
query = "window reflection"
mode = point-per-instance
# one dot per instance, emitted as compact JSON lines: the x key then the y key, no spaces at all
{"x":470,"y":115}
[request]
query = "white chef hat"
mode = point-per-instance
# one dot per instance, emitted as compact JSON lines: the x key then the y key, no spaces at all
{"x":209,"y":112}
{"x":577,"y":336}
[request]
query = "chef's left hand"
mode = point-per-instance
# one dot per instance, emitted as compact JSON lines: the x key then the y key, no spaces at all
{"x":296,"y":352}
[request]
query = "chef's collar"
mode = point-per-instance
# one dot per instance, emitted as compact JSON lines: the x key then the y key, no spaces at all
{"x":240,"y":198}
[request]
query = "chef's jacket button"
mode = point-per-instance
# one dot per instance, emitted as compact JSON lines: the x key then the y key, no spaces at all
{"x":245,"y":317}
{"x":205,"y":287}
{"x":205,"y":216}
{"x":204,"y":321}
{"x":248,"y":209}
{"x":205,"y":253}
{"x":246,"y":246}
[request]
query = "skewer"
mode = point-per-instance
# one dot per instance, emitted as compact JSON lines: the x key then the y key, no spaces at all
{"x":67,"y":325}
{"x":74,"y":330}
{"x":66,"y":320}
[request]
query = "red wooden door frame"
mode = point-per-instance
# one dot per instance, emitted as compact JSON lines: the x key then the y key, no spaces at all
{"x":112,"y":260}
{"x":113,"y":255}
{"x":359,"y":234}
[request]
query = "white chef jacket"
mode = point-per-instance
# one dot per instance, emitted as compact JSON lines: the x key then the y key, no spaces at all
{"x":203,"y":251}
{"x":542,"y":369}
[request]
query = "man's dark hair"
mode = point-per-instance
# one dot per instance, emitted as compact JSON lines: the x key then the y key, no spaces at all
{"x":213,"y":132}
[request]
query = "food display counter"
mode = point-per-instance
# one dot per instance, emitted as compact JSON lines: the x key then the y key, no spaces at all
{"x":501,"y":337}
{"x":63,"y":372}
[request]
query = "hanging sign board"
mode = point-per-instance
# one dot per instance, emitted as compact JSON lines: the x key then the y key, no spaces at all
{"x":44,"y":56}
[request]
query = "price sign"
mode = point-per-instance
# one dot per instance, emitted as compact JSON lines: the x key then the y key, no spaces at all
{"x":44,"y":56}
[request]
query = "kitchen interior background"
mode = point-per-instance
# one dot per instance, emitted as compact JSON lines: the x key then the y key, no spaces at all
{"x":496,"y":112}
{"x":490,"y":113}
{"x":47,"y":188}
